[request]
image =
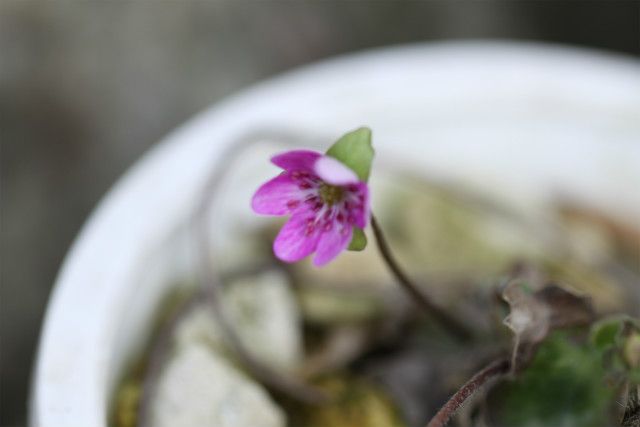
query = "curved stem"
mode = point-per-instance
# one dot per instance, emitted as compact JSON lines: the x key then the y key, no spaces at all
{"x":283,"y":382}
{"x":447,"y":321}
{"x":212,"y":284}
{"x":494,"y":370}
{"x":161,"y":346}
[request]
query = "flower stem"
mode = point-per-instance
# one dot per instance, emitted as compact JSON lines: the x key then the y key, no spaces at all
{"x":495,"y":369}
{"x":277,"y":380}
{"x":449,"y":322}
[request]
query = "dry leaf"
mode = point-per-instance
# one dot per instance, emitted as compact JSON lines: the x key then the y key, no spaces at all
{"x":534,"y":314}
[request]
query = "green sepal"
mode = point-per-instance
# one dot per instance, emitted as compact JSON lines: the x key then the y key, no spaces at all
{"x":354,"y":149}
{"x":605,"y":333}
{"x":358,"y":241}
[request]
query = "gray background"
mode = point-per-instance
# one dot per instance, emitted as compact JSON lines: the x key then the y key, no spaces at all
{"x":86,"y":87}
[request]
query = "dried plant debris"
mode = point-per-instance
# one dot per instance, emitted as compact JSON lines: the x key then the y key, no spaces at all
{"x":631,"y":416}
{"x":631,"y":344}
{"x":567,"y":308}
{"x":617,"y":338}
{"x":601,"y":236}
{"x":354,"y":403}
{"x":350,"y":330}
{"x":534,"y":314}
{"x":127,"y":403}
{"x":342,"y":345}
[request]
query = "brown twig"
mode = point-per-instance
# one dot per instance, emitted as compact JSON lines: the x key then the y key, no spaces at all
{"x":161,"y":345}
{"x":494,"y":370}
{"x":280,"y":381}
{"x":447,"y":321}
{"x":212,"y":288}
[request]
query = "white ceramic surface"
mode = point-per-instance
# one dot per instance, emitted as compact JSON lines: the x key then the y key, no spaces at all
{"x":519,"y":122}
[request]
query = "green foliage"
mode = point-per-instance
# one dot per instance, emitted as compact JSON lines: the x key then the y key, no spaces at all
{"x":605,"y":334}
{"x":631,"y":350}
{"x":354,"y":403}
{"x":358,"y":241}
{"x":618,"y":339}
{"x":354,"y":149}
{"x":563,"y":387}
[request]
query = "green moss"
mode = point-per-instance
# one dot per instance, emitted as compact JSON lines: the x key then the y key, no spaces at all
{"x":127,"y":403}
{"x":605,"y":334}
{"x":563,"y":387}
{"x":355,"y":403}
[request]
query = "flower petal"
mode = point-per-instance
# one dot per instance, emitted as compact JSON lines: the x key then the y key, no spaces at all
{"x":296,"y":160}
{"x":293,"y":242}
{"x":331,"y":243}
{"x":334,"y":172}
{"x":278,"y":196}
{"x":362,"y":209}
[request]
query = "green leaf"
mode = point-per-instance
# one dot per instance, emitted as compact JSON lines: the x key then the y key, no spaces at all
{"x":606,"y":332}
{"x":358,"y":241}
{"x":354,"y":149}
{"x":563,"y":386}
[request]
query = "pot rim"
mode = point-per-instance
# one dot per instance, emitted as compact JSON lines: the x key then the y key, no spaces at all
{"x":71,"y":382}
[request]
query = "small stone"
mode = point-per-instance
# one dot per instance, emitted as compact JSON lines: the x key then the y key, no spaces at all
{"x":265,"y":313}
{"x":263,"y":310}
{"x":200,"y":388}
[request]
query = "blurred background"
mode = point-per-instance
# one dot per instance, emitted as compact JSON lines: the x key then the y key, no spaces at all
{"x":86,"y":87}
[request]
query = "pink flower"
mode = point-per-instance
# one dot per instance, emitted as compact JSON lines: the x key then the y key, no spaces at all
{"x":325,"y":200}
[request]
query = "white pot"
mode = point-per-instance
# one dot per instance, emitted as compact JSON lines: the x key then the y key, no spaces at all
{"x":518,"y":122}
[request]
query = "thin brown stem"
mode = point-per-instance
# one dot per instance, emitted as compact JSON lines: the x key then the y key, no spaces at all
{"x":283,"y":382}
{"x":494,"y":370}
{"x":447,"y":321}
{"x":162,"y":344}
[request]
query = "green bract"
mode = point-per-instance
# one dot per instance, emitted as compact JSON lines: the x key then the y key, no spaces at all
{"x":354,"y":149}
{"x":605,"y":334}
{"x":358,"y":241}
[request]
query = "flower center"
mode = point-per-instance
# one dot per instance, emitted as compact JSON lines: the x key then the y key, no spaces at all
{"x":331,"y":194}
